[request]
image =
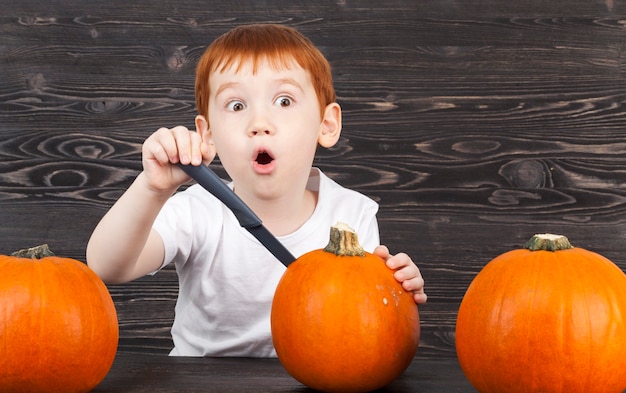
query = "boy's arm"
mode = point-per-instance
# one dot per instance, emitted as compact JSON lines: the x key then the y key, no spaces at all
{"x":124,"y":246}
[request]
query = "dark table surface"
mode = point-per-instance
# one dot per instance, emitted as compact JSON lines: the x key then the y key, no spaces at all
{"x":160,"y":373}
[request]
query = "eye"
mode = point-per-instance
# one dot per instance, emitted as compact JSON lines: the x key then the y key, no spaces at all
{"x":236,"y":106}
{"x":283,"y":101}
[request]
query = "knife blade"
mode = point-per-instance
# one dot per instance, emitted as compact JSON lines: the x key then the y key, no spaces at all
{"x":204,"y":176}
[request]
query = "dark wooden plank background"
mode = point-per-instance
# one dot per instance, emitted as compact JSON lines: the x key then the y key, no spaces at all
{"x":474,"y":123}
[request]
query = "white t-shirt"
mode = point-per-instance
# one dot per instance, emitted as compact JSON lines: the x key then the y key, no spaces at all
{"x":227,"y":278}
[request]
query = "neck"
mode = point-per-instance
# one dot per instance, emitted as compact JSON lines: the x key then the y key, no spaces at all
{"x":286,"y":214}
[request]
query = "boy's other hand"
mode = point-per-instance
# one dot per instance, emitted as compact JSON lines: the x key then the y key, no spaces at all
{"x":406,"y":272}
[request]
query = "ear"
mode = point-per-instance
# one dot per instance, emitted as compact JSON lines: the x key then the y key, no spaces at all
{"x":330,"y":127}
{"x":202,"y":128}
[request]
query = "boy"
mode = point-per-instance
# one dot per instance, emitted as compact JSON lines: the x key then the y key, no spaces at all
{"x":265,"y":100}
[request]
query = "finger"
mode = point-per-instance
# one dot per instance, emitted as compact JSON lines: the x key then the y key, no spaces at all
{"x":196,"y":147}
{"x":184,"y":148}
{"x":208,"y":152}
{"x":160,"y":147}
{"x":382,"y":251}
{"x":416,"y":284}
{"x":399,"y":261}
{"x":406,"y":273}
{"x":420,"y":297}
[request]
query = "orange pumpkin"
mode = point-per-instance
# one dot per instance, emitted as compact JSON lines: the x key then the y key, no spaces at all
{"x":340,"y":320}
{"x":58,"y":325}
{"x":548,"y":318}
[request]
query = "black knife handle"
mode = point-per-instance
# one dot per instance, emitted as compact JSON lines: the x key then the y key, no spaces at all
{"x":204,"y":176}
{"x":272,"y":244}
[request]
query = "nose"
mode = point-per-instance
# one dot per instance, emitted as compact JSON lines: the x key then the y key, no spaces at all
{"x":255,"y":132}
{"x":260,"y":123}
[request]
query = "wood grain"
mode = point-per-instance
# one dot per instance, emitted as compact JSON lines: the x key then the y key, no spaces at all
{"x":474,"y":124}
{"x":137,"y":373}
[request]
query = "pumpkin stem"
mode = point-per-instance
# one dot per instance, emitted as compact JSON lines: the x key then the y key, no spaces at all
{"x":548,"y":242}
{"x":37,"y":252}
{"x":344,"y":241}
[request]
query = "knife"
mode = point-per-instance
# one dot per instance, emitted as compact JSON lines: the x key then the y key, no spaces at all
{"x":204,"y":176}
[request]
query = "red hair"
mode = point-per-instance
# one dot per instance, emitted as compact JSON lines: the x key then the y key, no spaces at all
{"x":278,"y":44}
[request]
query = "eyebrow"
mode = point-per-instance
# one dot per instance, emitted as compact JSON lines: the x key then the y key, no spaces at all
{"x":282,"y":81}
{"x":290,"y":81}
{"x":225,"y":86}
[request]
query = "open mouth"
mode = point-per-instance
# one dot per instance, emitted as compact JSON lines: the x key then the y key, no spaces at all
{"x":264,"y":158}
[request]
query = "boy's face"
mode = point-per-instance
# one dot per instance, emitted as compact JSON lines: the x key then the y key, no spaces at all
{"x":266,"y":126}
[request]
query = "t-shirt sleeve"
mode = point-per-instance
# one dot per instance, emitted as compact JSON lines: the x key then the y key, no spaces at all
{"x":185,"y":221}
{"x":173,"y":224}
{"x":354,"y":209}
{"x":369,"y":236}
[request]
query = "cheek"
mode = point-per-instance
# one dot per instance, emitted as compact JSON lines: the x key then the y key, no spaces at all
{"x":227,"y":146}
{"x":301,"y":149}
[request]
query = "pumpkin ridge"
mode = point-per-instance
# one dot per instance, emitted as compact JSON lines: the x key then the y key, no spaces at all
{"x":42,"y":318}
{"x":89,"y":313}
{"x":610,"y":293}
{"x":585,"y":379}
{"x":530,"y":355}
